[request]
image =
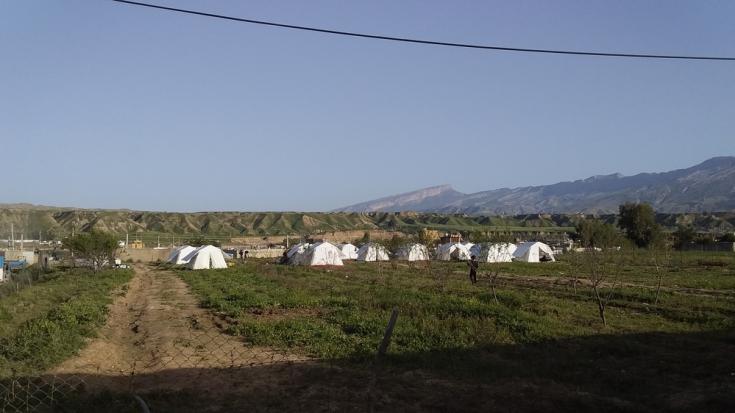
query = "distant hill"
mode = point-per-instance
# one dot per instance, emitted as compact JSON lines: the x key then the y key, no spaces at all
{"x":57,"y":223}
{"x":709,"y":186}
{"x":679,"y":196}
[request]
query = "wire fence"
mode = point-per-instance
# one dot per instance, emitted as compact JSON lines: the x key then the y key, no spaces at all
{"x":160,"y":351}
{"x":204,"y":367}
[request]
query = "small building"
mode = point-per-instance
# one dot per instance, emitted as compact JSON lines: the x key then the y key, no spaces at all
{"x":712,"y":247}
{"x":136,"y":244}
{"x":451,"y":238}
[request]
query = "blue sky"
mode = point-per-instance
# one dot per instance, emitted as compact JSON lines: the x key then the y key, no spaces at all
{"x":105,"y":105}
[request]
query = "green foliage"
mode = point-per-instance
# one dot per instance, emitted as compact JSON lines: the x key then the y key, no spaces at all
{"x":593,"y":233}
{"x":394,"y":243}
{"x":638,"y":221}
{"x":200,"y":240}
{"x":44,"y":324}
{"x":729,"y":237}
{"x":490,"y":236}
{"x":340,"y":313}
{"x":96,"y":247}
{"x":684,"y":234}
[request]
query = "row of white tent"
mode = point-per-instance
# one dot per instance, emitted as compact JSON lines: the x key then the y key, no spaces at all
{"x":324,"y":253}
{"x":496,"y":252}
{"x":204,"y":257}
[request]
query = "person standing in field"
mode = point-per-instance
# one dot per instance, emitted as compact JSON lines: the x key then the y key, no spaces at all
{"x":473,"y":264}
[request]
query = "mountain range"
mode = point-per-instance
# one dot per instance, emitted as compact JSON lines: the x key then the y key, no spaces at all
{"x":708,"y":186}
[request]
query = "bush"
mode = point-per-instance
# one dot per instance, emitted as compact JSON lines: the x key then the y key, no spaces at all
{"x":96,"y":247}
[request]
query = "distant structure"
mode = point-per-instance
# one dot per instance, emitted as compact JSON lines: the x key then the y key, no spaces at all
{"x":451,"y":238}
{"x":715,"y":246}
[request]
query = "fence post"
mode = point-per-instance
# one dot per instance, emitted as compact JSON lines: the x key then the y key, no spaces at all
{"x":388,"y":333}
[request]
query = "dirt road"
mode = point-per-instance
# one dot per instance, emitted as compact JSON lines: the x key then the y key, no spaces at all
{"x":156,"y":326}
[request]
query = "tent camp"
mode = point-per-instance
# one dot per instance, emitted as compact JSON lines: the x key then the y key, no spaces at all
{"x":179,"y":254}
{"x":372,"y":252}
{"x":347,"y":251}
{"x":413,"y":252}
{"x":452,"y":251}
{"x":322,"y":253}
{"x":533,"y":252}
{"x":206,"y":257}
{"x":493,"y":252}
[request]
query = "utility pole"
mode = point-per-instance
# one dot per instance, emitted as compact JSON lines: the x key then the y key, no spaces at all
{"x":127,"y":240}
{"x":12,"y":237}
{"x":159,"y":241}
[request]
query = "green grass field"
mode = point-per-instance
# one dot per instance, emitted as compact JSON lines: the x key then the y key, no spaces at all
{"x":43,"y":324}
{"x":538,"y":332}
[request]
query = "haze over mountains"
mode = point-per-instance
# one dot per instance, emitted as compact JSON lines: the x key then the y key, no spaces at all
{"x":708,"y":186}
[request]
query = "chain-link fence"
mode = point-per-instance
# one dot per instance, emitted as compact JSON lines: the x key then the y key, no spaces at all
{"x":160,"y":351}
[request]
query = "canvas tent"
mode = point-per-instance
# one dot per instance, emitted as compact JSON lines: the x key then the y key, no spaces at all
{"x":179,"y":254}
{"x":347,"y":251}
{"x":533,"y":252}
{"x":322,"y":253}
{"x":493,"y":252}
{"x":297,"y":249}
{"x":372,"y":252}
{"x":413,"y":252}
{"x":452,"y":251}
{"x":206,"y":257}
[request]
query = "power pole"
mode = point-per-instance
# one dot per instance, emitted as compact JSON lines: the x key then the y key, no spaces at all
{"x":12,"y":237}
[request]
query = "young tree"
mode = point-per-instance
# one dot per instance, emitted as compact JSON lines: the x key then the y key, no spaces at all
{"x":684,"y":235}
{"x":661,"y":261}
{"x":593,"y":233}
{"x":602,"y":270}
{"x":96,"y":247}
{"x":638,"y":221}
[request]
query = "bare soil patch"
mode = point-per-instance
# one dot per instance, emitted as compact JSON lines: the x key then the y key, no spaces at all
{"x":156,"y":326}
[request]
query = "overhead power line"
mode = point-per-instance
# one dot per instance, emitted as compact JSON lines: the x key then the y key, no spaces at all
{"x":427,"y":42}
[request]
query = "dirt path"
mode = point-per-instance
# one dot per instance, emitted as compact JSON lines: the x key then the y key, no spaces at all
{"x":157,"y":326}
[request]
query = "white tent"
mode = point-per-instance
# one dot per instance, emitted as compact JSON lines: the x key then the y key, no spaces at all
{"x":322,"y":253}
{"x":297,"y":249}
{"x":347,"y":251}
{"x":206,"y":257}
{"x":179,"y":254}
{"x":468,"y":245}
{"x":533,"y":252}
{"x":449,"y":252}
{"x":498,"y":252}
{"x":372,"y":252}
{"x":413,"y":252}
